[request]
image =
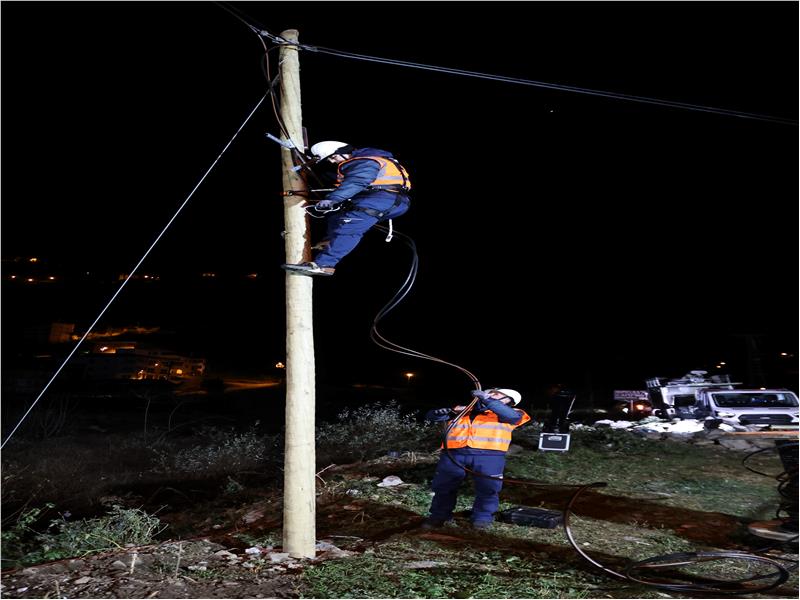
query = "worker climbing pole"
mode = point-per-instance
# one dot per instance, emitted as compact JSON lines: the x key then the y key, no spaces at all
{"x":371,"y":187}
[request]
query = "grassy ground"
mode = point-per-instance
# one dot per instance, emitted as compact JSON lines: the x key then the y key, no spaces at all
{"x":660,"y":497}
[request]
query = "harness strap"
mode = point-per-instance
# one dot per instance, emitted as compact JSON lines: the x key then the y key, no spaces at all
{"x":395,"y":188}
{"x":378,"y":214}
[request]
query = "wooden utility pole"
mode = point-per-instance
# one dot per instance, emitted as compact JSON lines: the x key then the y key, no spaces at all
{"x":299,"y":487}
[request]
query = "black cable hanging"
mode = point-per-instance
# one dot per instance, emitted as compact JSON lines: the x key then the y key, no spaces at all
{"x":634,"y":570}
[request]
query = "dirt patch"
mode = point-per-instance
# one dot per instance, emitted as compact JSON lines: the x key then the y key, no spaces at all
{"x":188,"y":569}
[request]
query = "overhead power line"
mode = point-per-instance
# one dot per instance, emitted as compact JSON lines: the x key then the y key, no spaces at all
{"x":539,"y":84}
{"x":516,"y":80}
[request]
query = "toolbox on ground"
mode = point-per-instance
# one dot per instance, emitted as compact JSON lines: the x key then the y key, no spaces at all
{"x":554,"y":442}
{"x":533,"y":517}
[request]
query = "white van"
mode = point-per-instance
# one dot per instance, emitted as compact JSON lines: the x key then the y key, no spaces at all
{"x":695,"y":397}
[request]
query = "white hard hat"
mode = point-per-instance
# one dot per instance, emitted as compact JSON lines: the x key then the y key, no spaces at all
{"x":325,"y":149}
{"x":513,"y":394}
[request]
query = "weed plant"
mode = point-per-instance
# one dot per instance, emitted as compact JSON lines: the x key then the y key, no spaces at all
{"x":222,"y":452}
{"x":23,"y":545}
{"x":371,"y":431}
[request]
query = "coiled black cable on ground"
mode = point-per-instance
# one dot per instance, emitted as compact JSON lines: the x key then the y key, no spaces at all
{"x":634,"y":570}
{"x":787,"y":480}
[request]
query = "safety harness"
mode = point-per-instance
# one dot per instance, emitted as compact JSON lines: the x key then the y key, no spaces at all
{"x":378,"y":214}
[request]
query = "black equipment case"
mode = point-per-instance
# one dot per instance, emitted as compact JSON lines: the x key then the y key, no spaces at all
{"x":533,"y":517}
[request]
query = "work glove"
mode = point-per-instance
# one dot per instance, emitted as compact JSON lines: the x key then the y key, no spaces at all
{"x":480,"y":394}
{"x":326,"y":205}
{"x":438,"y":415}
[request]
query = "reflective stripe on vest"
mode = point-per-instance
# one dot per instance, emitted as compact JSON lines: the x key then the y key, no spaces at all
{"x":485,"y":432}
{"x":391,"y":172}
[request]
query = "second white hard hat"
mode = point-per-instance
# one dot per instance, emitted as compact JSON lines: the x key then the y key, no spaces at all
{"x":513,"y":394}
{"x":325,"y":149}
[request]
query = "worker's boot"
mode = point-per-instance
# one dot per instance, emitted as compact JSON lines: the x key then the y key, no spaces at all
{"x":309,"y":268}
{"x":430,"y":523}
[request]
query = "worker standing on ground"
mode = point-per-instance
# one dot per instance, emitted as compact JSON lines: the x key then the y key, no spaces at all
{"x":559,"y":400}
{"x":371,"y":187}
{"x":478,"y":442}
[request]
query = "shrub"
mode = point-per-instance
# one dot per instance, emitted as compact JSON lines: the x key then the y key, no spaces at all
{"x":225,"y":452}
{"x":371,"y":431}
{"x":63,"y":538}
{"x":19,"y":539}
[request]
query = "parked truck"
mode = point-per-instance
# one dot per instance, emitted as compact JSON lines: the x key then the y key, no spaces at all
{"x":696,"y":396}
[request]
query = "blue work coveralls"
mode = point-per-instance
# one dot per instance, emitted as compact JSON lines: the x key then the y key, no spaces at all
{"x":449,"y":474}
{"x":345,"y":229}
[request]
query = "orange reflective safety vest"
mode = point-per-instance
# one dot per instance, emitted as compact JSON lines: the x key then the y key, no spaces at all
{"x":391,"y":175}
{"x":484,"y":432}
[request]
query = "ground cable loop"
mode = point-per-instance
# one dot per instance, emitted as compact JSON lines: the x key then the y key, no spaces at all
{"x":686,"y":558}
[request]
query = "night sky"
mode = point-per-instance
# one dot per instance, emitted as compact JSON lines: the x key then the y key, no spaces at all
{"x":560,"y":236}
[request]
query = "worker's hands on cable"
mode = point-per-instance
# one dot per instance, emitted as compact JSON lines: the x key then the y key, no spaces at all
{"x":484,"y":400}
{"x":439,"y":415}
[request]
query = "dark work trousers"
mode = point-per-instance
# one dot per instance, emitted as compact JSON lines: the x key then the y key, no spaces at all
{"x":345,"y":230}
{"x":448,"y":478}
{"x":557,"y":421}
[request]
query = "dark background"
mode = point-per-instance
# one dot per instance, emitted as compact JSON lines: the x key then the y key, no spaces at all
{"x":561,"y":236}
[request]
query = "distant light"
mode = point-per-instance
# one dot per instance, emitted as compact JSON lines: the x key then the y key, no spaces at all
{"x":179,"y":371}
{"x":762,"y":388}
{"x":280,"y":365}
{"x":409,"y":376}
{"x":103,"y":348}
{"x":13,"y":277}
{"x":722,"y":363}
{"x":782,"y":353}
{"x":155,"y":364}
{"x":33,"y":259}
{"x":252,"y":275}
{"x":51,"y":278}
{"x":29,"y":280}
